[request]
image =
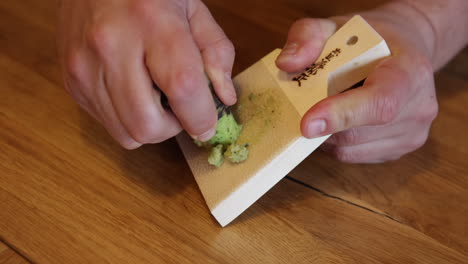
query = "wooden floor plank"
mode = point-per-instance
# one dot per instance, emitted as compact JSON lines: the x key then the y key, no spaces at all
{"x":26,"y":40}
{"x":426,"y":189}
{"x":458,"y":67}
{"x":97,"y":202}
{"x":9,"y":256}
{"x":104,"y":217}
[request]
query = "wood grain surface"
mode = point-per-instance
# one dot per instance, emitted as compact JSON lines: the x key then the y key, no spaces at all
{"x":425,"y":189}
{"x":69,"y":194}
{"x":9,"y":256}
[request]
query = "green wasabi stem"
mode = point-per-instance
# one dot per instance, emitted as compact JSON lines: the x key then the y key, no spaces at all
{"x":236,"y":153}
{"x":216,"y":156}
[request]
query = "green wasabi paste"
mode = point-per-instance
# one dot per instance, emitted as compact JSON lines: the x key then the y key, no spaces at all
{"x":227,"y":131}
{"x":222,"y":144}
{"x":236,"y":153}
{"x":216,"y":156}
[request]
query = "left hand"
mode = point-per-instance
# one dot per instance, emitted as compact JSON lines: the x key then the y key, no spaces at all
{"x":391,"y":114}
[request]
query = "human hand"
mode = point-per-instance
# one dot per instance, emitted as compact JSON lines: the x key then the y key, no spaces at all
{"x":113,"y":50}
{"x":391,"y":114}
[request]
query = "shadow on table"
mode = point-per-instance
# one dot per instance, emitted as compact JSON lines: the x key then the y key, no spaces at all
{"x":158,"y":168}
{"x":161,"y":169}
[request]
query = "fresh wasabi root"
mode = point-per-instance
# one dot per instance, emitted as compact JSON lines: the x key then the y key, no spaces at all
{"x":236,"y":153}
{"x":216,"y":156}
{"x":227,"y":130}
{"x":223,"y":145}
{"x":227,"y":133}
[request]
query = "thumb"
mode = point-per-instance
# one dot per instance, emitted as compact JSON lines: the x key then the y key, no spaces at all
{"x":377,"y":102}
{"x":306,"y":39}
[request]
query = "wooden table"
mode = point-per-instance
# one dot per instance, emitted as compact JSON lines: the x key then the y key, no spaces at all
{"x":69,"y":194}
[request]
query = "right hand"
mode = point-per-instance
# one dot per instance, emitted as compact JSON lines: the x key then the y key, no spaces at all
{"x":113,"y":51}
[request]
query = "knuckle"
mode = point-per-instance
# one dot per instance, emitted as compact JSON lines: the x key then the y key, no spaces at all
{"x":304,"y":22}
{"x":416,"y":143}
{"x":386,"y":109}
{"x":183,"y":86}
{"x":222,"y":46}
{"x":346,"y":138}
{"x":75,"y":65}
{"x":146,"y":132}
{"x":75,"y":77}
{"x":348,"y":119}
{"x":101,"y":38}
{"x":343,"y":155}
{"x":142,"y":9}
{"x":433,"y":110}
{"x":425,"y":67}
{"x":428,"y":114}
{"x":143,"y":12}
{"x":226,"y":46}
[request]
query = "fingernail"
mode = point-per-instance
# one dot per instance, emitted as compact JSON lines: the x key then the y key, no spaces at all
{"x":131,"y":144}
{"x":205,"y":136}
{"x":316,"y":128}
{"x":288,"y":51}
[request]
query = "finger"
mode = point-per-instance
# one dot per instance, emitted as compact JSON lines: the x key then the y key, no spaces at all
{"x":377,"y":151}
{"x":108,"y":115}
{"x":79,"y":78}
{"x":78,"y":81}
{"x":365,"y":134}
{"x":217,"y":51}
{"x":378,"y":102}
{"x":84,"y":81}
{"x":138,"y":105}
{"x":409,"y":122}
{"x":370,"y":153}
{"x":176,"y":66}
{"x":306,"y":39}
{"x":83,"y":78}
{"x":75,"y":91}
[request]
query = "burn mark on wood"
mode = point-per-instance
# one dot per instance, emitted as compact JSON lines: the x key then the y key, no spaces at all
{"x":314,"y":68}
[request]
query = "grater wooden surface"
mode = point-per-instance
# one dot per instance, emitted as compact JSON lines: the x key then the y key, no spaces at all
{"x":270,"y":107}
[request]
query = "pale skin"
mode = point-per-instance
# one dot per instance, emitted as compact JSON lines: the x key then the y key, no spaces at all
{"x":113,"y":50}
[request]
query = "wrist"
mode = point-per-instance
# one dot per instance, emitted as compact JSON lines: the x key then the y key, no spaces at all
{"x":404,"y":22}
{"x":411,"y":23}
{"x":438,"y":25}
